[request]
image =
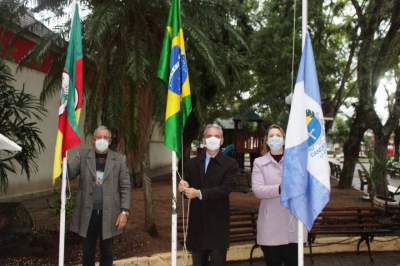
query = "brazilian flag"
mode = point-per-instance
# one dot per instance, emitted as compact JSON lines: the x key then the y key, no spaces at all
{"x":173,"y":70}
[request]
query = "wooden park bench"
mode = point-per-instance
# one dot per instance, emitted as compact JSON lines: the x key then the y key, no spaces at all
{"x":331,"y":167}
{"x":335,"y":170}
{"x":393,"y":191}
{"x":349,"y":221}
{"x":393,"y":171}
{"x":393,"y":212}
{"x":363,"y":175}
{"x":242,"y":227}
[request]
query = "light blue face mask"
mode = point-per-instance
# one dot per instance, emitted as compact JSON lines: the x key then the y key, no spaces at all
{"x":213,"y":143}
{"x":101,"y":145}
{"x":275,"y":143}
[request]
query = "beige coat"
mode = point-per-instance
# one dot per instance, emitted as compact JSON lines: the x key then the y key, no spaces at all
{"x":116,"y":190}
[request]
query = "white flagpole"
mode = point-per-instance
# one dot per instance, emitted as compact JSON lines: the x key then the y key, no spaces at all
{"x":174,"y":214}
{"x":62,"y":212}
{"x":64,"y":177}
{"x":300,"y":248}
{"x":300,"y":226}
{"x":304,"y":18}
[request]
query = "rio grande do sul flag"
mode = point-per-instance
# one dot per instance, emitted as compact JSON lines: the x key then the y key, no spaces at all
{"x":71,"y":96}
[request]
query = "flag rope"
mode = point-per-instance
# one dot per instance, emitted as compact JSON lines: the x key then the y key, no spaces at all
{"x":293,"y":44}
{"x":185,"y":219}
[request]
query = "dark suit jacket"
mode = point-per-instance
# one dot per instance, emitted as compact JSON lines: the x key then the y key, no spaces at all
{"x":209,"y":217}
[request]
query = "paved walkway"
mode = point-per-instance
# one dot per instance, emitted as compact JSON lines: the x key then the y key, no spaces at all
{"x":343,"y":259}
{"x":356,"y":180}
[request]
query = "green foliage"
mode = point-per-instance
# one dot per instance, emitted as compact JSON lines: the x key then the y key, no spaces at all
{"x":375,"y":25}
{"x":54,"y":203}
{"x":340,"y":130}
{"x":122,"y":43}
{"x":19,"y":112}
{"x":272,"y":50}
{"x":377,"y":170}
{"x":218,"y":54}
{"x":271,"y":47}
{"x":10,"y":10}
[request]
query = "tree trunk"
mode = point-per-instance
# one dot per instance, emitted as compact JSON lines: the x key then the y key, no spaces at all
{"x":374,"y":58}
{"x":382,"y":138}
{"x":382,"y":135}
{"x":149,"y":225}
{"x":145,"y":123}
{"x":191,"y":132}
{"x":379,"y":170}
{"x":351,"y":150}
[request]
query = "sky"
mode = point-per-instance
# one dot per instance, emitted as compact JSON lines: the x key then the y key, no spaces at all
{"x":381,"y":100}
{"x":381,"y":97}
{"x":50,"y":20}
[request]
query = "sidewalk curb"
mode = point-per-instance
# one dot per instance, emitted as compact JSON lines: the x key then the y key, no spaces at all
{"x":242,"y":252}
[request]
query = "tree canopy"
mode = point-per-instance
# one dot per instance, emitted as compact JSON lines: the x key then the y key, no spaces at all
{"x":242,"y":55}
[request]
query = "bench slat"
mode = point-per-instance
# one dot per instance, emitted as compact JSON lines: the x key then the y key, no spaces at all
{"x":242,"y":225}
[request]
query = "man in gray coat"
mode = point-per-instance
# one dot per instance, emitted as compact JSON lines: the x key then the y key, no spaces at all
{"x":103,"y":196}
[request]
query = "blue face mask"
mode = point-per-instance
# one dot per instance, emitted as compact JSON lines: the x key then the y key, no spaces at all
{"x":275,"y":143}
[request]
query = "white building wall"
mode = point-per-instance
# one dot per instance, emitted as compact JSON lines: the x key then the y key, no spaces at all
{"x":160,"y":156}
{"x":40,"y":182}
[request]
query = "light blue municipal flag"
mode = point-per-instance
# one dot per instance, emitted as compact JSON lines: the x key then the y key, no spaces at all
{"x":305,"y":186}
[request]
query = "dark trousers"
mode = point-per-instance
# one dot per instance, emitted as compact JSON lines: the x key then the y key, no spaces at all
{"x":89,"y":243}
{"x":214,"y":257}
{"x":285,"y":255}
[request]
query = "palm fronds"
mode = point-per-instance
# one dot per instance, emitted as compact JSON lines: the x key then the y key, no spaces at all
{"x":19,"y":113}
{"x":122,"y":42}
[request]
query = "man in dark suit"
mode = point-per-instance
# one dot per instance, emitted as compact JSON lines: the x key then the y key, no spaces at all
{"x":103,"y":197}
{"x":209,"y":180}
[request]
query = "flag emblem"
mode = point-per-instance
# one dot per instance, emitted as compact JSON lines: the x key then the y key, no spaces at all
{"x":179,"y":71}
{"x":64,"y":94}
{"x":313,"y":127}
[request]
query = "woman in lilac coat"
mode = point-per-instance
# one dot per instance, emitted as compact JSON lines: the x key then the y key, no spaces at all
{"x":276,"y":227}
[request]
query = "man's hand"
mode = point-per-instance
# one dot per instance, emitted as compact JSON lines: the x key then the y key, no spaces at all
{"x":183,"y":185}
{"x":192,"y":193}
{"x":122,"y":219}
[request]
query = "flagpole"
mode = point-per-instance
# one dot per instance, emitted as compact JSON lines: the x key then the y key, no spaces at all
{"x":300,"y":244}
{"x":174,"y":214}
{"x":61,"y":245}
{"x":62,"y":212}
{"x":300,"y":226}
{"x":304,"y":18}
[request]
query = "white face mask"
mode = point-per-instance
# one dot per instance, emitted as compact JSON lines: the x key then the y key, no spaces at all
{"x":213,"y":143}
{"x":101,"y":145}
{"x":275,"y":143}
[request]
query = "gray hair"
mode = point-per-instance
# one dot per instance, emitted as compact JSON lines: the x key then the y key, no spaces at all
{"x":102,"y":128}
{"x":213,"y":125}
